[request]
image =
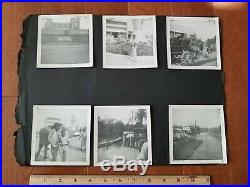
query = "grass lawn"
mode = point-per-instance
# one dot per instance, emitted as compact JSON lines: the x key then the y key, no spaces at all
{"x":184,"y":148}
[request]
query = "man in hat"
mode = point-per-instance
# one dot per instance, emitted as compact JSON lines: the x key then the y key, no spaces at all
{"x":54,"y":140}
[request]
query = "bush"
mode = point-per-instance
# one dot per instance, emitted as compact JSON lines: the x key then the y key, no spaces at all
{"x":125,"y":48}
{"x":122,"y":48}
{"x":144,"y":49}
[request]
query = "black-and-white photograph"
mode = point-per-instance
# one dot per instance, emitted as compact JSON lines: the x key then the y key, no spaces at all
{"x":123,"y":131}
{"x":129,"y":42}
{"x":197,"y":134}
{"x":193,"y":43}
{"x":61,"y":135}
{"x":65,"y":41}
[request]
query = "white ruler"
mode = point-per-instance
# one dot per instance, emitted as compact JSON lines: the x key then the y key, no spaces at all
{"x":118,"y":179}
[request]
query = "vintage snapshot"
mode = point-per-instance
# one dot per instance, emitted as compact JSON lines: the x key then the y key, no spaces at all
{"x":197,"y":134}
{"x":129,"y":42}
{"x":124,"y":132}
{"x":61,"y":135}
{"x":193,"y":43}
{"x":65,"y":41}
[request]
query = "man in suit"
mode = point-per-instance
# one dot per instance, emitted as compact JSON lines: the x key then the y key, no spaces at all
{"x":43,"y":141}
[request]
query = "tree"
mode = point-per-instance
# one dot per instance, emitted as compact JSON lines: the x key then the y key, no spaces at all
{"x":118,"y":129}
{"x":211,"y":42}
{"x":193,"y":36}
{"x":140,"y":115}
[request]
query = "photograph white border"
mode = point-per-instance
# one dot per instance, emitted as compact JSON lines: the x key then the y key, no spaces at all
{"x":89,"y":64}
{"x":171,"y":66}
{"x":33,"y":140}
{"x":153,"y":65}
{"x":149,"y":138}
{"x":223,"y":135}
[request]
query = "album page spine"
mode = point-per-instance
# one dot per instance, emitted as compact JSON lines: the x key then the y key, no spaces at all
{"x":20,"y":111}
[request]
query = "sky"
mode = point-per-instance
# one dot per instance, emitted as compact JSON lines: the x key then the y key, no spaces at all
{"x":84,"y":21}
{"x":203,"y":28}
{"x":79,"y":116}
{"x":122,"y":114}
{"x":204,"y":117}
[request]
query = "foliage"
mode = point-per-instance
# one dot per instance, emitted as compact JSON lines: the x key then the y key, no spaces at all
{"x":211,"y":43}
{"x":140,"y":115}
{"x":125,"y":48}
{"x":110,"y":129}
{"x":144,"y":49}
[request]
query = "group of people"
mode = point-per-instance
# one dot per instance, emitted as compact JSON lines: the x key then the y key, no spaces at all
{"x":131,"y":139}
{"x":54,"y":139}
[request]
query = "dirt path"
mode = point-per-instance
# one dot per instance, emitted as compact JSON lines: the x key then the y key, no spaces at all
{"x":210,"y":149}
{"x":108,"y":152}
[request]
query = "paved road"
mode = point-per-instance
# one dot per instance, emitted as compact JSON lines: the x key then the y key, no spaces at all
{"x":64,"y":54}
{"x":74,"y":152}
{"x":210,"y":149}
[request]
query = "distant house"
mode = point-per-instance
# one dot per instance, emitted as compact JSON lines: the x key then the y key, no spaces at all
{"x":74,"y":23}
{"x":51,"y":121}
{"x":178,"y":132}
{"x":188,"y":130}
{"x":116,"y":29}
{"x":124,"y":29}
{"x":64,"y":32}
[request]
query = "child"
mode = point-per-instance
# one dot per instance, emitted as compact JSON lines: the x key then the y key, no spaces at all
{"x":64,"y":142}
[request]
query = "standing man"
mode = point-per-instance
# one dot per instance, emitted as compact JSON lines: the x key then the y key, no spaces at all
{"x":43,"y":141}
{"x":54,"y":140}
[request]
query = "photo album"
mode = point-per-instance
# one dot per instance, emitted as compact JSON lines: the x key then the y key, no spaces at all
{"x":98,"y":90}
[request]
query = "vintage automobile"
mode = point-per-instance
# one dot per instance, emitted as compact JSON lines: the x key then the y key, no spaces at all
{"x":182,"y":50}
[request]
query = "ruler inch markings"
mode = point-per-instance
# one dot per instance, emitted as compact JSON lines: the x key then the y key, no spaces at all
{"x":119,"y":179}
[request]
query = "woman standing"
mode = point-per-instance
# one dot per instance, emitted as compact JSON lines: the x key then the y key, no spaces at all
{"x":82,"y":138}
{"x":134,"y":48}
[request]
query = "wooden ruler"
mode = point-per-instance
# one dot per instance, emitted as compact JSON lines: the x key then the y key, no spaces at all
{"x":118,"y":179}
